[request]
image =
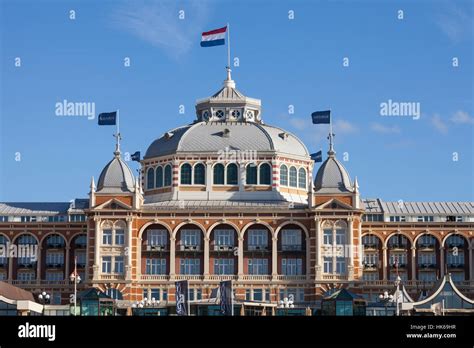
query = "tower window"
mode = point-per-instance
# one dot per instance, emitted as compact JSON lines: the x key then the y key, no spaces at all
{"x":168,"y":175}
{"x":265,"y":174}
{"x":283,"y":175}
{"x":186,"y":174}
{"x":199,"y":174}
{"x":150,"y":179}
{"x":219,"y":174}
{"x":293,"y":178}
{"x":232,"y":174}
{"x":251,"y":174}
{"x":159,"y":177}
{"x":220,"y":113}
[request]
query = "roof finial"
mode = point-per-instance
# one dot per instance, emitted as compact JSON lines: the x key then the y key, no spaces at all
{"x":331,"y":152}
{"x":228,"y":82}
{"x":117,"y":144}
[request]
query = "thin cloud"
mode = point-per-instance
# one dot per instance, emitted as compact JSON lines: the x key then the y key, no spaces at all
{"x":344,"y":127}
{"x":462,"y":117}
{"x":380,"y":128}
{"x":299,"y":123}
{"x":438,"y":123}
{"x":158,"y":23}
{"x":455,"y":22}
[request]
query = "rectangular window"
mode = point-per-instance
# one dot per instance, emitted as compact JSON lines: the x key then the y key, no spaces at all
{"x":257,"y":294}
{"x":291,"y":240}
{"x":267,"y":295}
{"x":327,"y":264}
{"x":258,"y":239}
{"x":427,"y":276}
{"x":340,"y":265}
{"x":340,"y":237}
{"x":107,"y":237}
{"x":191,"y":237}
{"x":292,"y":266}
{"x":119,"y":237}
{"x":397,"y":218}
{"x":258,"y":266}
{"x":54,"y":276}
{"x":247,"y":295}
{"x":224,"y":237}
{"x":327,"y":237}
{"x":426,"y":259}
{"x":223,"y":266}
{"x":157,"y":237}
{"x":458,"y":218}
{"x":371,"y":260}
{"x":81,"y":257}
{"x":401,"y":257}
{"x":456,"y":259}
{"x":118,"y":266}
{"x":55,"y":258}
{"x":155,"y":266}
{"x":106,"y":264}
{"x":370,"y":276}
{"x":190,"y":266}
{"x":26,"y":276}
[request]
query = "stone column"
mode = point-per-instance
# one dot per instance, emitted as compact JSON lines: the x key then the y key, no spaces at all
{"x":274,"y":256}
{"x":128,"y":267}
{"x":441,"y":261}
{"x":413,"y":263}
{"x":206,"y":257}
{"x":240,"y":261}
{"x":96,"y":248}
{"x":208,"y":176}
{"x":350,"y":222}
{"x":38,"y":263}
{"x":319,"y":244}
{"x":66,"y":264}
{"x":471,"y":263}
{"x":241,"y":177}
{"x":10,"y":268}
{"x":384,"y":262}
{"x":172,"y":257}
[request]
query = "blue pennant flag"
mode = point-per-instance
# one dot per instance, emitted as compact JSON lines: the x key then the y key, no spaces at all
{"x":321,"y":117}
{"x":135,"y":157}
{"x":182,"y":297}
{"x":225,"y":289}
{"x":108,"y":118}
{"x":318,"y":156}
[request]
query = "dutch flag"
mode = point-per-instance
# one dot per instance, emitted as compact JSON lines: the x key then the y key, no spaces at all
{"x":214,"y":37}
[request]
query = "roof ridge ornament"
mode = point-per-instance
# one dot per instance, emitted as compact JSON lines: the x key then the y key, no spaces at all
{"x":228,"y":82}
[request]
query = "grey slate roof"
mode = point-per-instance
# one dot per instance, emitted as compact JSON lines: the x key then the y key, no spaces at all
{"x":332,"y":177}
{"x":377,"y":206}
{"x":243,"y":136}
{"x":116,"y":177}
{"x":47,"y":208}
{"x":225,"y":204}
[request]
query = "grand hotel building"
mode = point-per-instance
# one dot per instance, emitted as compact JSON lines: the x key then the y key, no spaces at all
{"x":230,"y":197}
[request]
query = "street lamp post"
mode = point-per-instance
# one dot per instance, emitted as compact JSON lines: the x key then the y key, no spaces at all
{"x":146,"y":303}
{"x":76,"y":278}
{"x":44,"y":298}
{"x":389,"y":298}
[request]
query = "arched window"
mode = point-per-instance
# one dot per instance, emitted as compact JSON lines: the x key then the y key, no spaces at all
{"x":168,"y":175}
{"x":293,"y":178}
{"x":219,"y":174}
{"x":199,"y":174}
{"x":232,"y":174}
{"x":302,"y":178}
{"x":265,"y":174}
{"x":150,"y":179}
{"x":251,"y":174}
{"x":159,"y":176}
{"x":186,"y":174}
{"x":283,"y":175}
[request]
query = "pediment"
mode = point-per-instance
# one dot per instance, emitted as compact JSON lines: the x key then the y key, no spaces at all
{"x":334,"y":204}
{"x":113,"y":204}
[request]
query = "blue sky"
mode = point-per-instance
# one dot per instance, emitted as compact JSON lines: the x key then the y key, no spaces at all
{"x":283,"y":62}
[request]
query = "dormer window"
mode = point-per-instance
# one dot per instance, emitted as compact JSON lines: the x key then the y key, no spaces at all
{"x":205,"y":115}
{"x":220,"y":114}
{"x":235,"y":113}
{"x":250,"y":115}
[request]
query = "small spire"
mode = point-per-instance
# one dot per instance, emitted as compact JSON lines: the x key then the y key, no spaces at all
{"x":331,"y":152}
{"x":356,"y":185}
{"x":117,"y":144}
{"x":228,"y":82}
{"x":92,"y":185}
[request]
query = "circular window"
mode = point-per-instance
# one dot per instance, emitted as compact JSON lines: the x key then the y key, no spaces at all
{"x":250,"y":115}
{"x":205,"y":115}
{"x":235,"y":113}
{"x":220,"y":113}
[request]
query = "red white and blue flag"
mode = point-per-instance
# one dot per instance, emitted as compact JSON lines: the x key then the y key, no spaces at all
{"x":214,"y":37}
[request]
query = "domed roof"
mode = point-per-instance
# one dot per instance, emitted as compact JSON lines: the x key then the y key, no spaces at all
{"x":332,"y":177}
{"x":116,"y":177}
{"x":217,"y":136}
{"x":227,"y":120}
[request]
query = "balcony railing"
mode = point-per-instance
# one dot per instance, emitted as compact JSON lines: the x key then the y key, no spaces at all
{"x":426,"y":246}
{"x":183,"y":247}
{"x":371,"y":246}
{"x":223,"y":248}
{"x":456,"y":265}
{"x":252,"y":277}
{"x":54,"y":265}
{"x":154,"y":277}
{"x":189,"y":277}
{"x":257,"y":248}
{"x":427,"y":265}
{"x":300,"y":277}
{"x":222,"y":277}
{"x":155,"y":247}
{"x":111,"y":277}
{"x":334,"y":277}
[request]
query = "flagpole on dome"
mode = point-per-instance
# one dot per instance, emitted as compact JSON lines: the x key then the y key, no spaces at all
{"x":117,"y":134}
{"x":228,"y":46}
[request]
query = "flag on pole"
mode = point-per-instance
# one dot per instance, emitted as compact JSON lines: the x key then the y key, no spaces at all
{"x":321,"y":117}
{"x":213,"y":37}
{"x":108,"y":118}
{"x":182,"y":297}
{"x":318,"y":156}
{"x":135,"y":157}
{"x":225,"y":289}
